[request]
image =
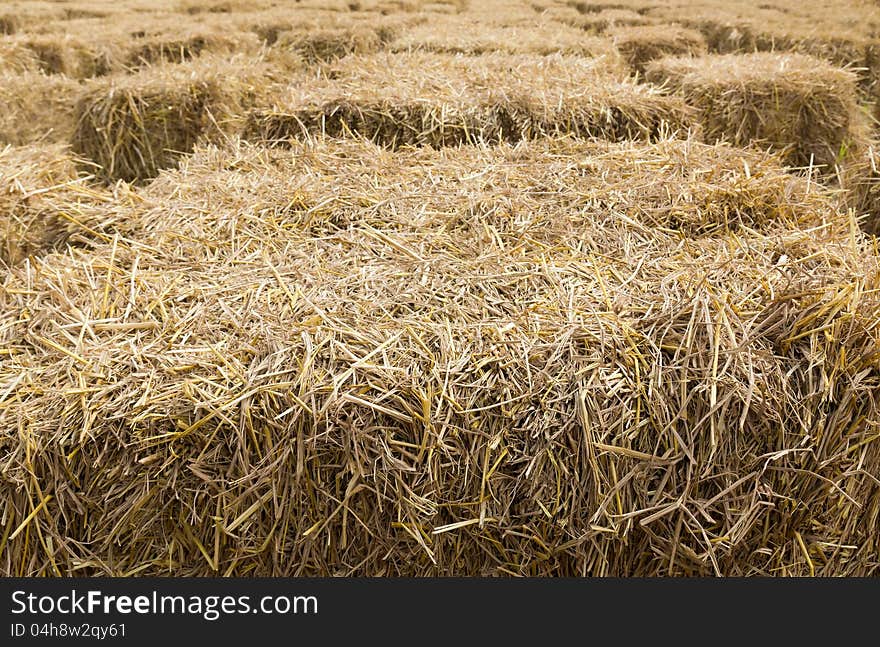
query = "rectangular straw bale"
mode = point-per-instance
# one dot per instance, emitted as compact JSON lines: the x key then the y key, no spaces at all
{"x":29,"y":17}
{"x":269,"y":25}
{"x":196,"y":7}
{"x":16,"y":58}
{"x":803,"y":106}
{"x":598,"y":22}
{"x":830,"y":32}
{"x":640,"y":45}
{"x":44,"y":200}
{"x":181,"y":47}
{"x":330,"y":44}
{"x":9,"y":23}
{"x":445,"y":8}
{"x":461,"y":35}
{"x":429,"y":362}
{"x":441,"y":99}
{"x":37,"y":107}
{"x":132,"y":129}
{"x":68,"y":55}
{"x":134,"y":126}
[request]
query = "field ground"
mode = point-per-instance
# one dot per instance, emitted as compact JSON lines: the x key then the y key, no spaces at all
{"x":395,"y":287}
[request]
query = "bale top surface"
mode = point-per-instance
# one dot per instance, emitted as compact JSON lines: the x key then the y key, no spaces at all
{"x":794,"y":70}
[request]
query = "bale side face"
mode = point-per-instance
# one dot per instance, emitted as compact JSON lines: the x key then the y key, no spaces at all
{"x":793,"y":103}
{"x":132,"y":133}
{"x":44,"y":200}
{"x":9,"y":24}
{"x":134,"y":126}
{"x":600,"y":22}
{"x":36,"y":107}
{"x":170,"y":48}
{"x":15,"y":58}
{"x":640,"y":45}
{"x":330,"y":44}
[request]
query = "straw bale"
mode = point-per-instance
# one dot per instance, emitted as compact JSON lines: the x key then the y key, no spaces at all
{"x":860,"y":179}
{"x":9,"y":23}
{"x":36,"y":107}
{"x":15,"y":58}
{"x":132,"y":130}
{"x":31,"y":17}
{"x":598,"y":22}
{"x":500,"y":12}
{"x":270,"y":25}
{"x":846,"y":45}
{"x":45,"y":201}
{"x":269,"y":31}
{"x":390,"y":7}
{"x":330,"y":44}
{"x":68,"y":55}
{"x":642,"y":44}
{"x":794,"y":103}
{"x":588,"y":8}
{"x":440,"y":100}
{"x":106,"y":48}
{"x":78,"y":13}
{"x":445,"y":8}
{"x":179,"y":48}
{"x":724,"y":37}
{"x":461,"y":35}
{"x":134,"y":126}
{"x":482,"y":361}
{"x":195,"y":7}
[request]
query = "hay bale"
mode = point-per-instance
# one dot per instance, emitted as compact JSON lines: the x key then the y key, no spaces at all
{"x":30,"y":17}
{"x":9,"y":24}
{"x":441,"y":100}
{"x":134,"y":129}
{"x":860,"y":181}
{"x":98,"y":49}
{"x":599,"y":22}
{"x":36,"y":107}
{"x":461,"y":35}
{"x":479,"y":361}
{"x":330,"y":44}
{"x":642,"y":44}
{"x":444,"y":8}
{"x":269,"y":32}
{"x":68,"y":55}
{"x":87,"y":14}
{"x":196,"y":7}
{"x":588,"y":8}
{"x":15,"y":58}
{"x":802,"y":106}
{"x":169,"y":48}
{"x":271,"y":25}
{"x":833,"y":32}
{"x":730,"y":37}
{"x":134,"y":126}
{"x":45,"y":202}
